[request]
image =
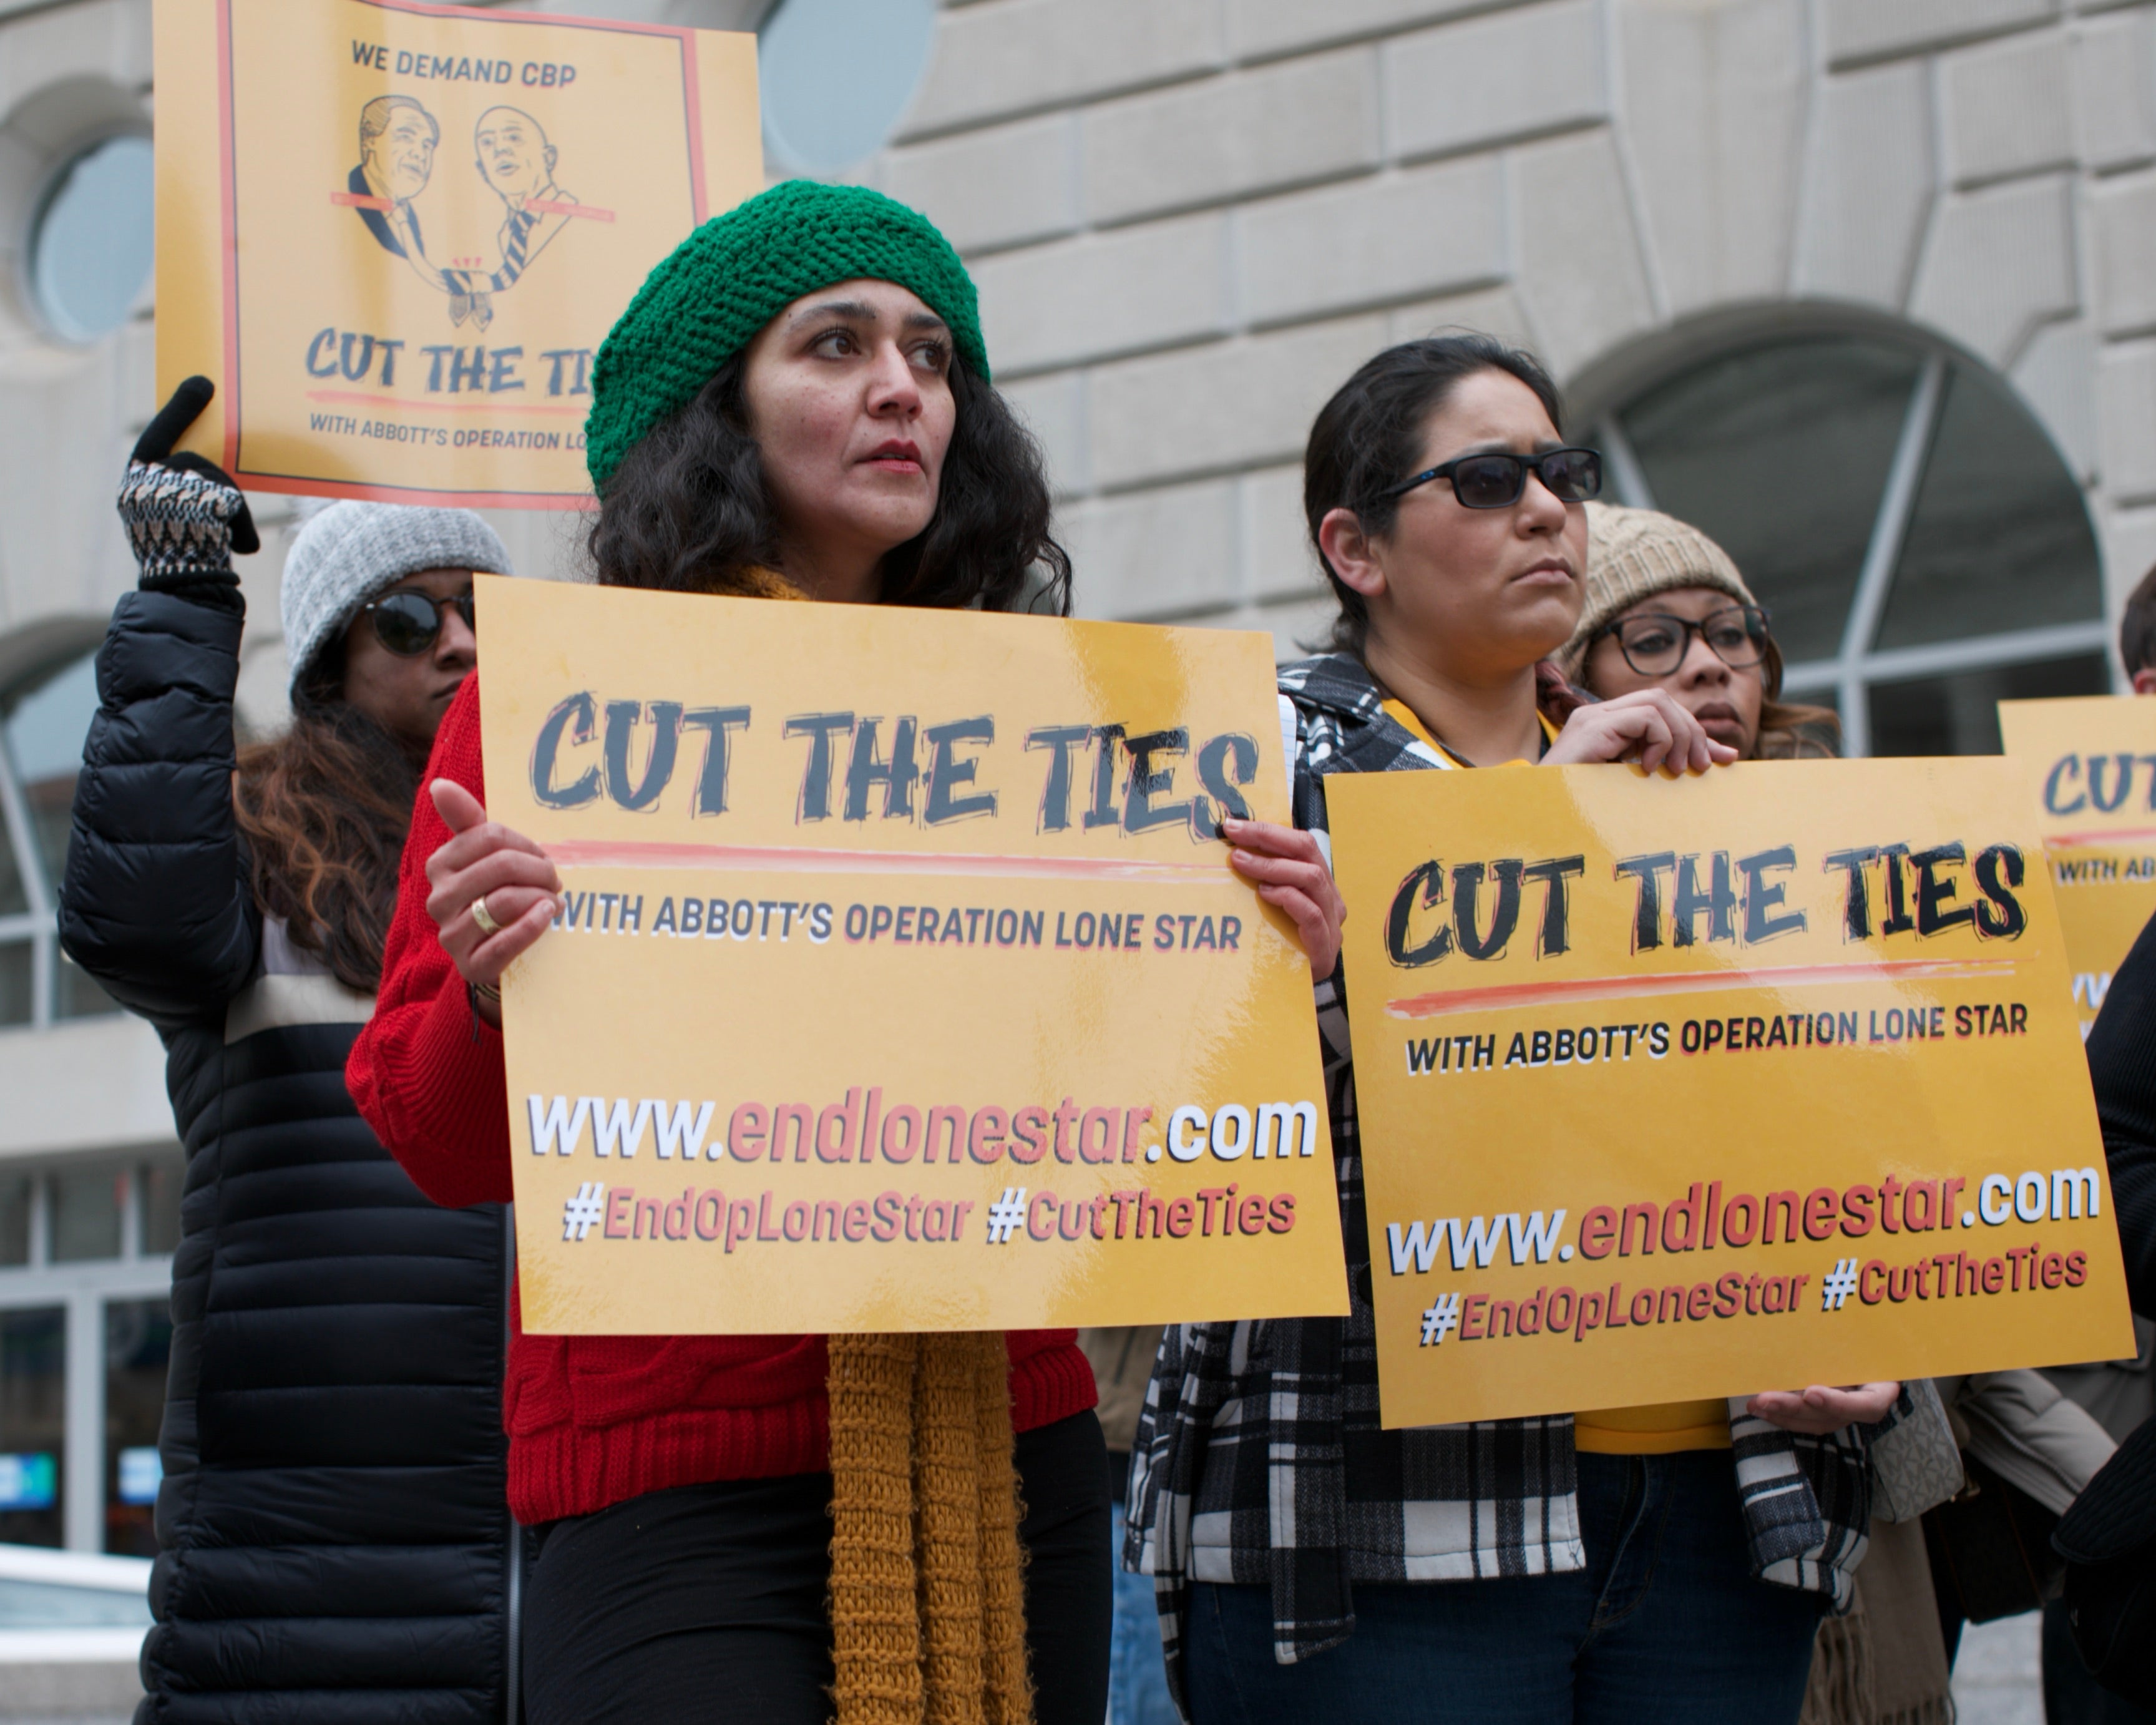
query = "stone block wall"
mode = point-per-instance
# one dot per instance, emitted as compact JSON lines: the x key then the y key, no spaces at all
{"x":1190,"y":219}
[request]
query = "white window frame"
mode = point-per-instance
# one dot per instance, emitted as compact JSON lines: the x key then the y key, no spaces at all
{"x":1860,"y":664}
{"x":37,"y":925}
{"x":82,"y":1290}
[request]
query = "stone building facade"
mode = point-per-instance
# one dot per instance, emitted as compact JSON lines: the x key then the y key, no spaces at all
{"x":1190,"y":219}
{"x":1866,"y":286}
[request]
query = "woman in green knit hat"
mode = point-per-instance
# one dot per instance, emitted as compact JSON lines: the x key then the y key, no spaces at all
{"x":796,"y":405}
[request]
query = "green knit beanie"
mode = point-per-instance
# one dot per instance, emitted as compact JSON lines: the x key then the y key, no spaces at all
{"x":731,"y":276}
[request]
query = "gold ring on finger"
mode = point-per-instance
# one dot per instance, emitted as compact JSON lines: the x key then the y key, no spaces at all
{"x":483,"y":918}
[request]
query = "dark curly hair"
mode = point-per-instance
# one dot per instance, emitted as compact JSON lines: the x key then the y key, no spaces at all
{"x":325,"y":809}
{"x":1369,"y":437}
{"x":688,"y":510}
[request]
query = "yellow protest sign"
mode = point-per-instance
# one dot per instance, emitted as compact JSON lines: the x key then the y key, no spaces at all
{"x":901,"y":982}
{"x":1674,"y":1090}
{"x":2090,"y":763}
{"x":395,"y":234}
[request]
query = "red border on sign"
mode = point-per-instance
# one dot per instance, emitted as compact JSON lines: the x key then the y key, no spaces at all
{"x":229,"y":219}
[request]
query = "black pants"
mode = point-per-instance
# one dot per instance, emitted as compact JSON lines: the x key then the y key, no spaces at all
{"x":710,"y":1600}
{"x":2072,"y":1696}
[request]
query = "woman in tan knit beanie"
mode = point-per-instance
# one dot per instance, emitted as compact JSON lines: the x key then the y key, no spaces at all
{"x":775,"y":1528}
{"x":1666,"y":609}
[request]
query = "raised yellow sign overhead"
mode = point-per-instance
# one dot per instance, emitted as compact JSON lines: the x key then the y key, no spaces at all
{"x":2089,"y":764}
{"x":901,"y":981}
{"x":1752,"y":1081}
{"x":394,"y":234}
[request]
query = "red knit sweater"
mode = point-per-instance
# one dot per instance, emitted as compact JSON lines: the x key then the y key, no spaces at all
{"x":594,"y":1420}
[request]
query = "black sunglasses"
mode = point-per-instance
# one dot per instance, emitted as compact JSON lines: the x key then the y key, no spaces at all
{"x":1655,"y":644}
{"x":408,"y":624}
{"x":1496,"y":482}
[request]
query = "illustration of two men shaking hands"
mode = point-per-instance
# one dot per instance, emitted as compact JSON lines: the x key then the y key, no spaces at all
{"x":398,"y":138}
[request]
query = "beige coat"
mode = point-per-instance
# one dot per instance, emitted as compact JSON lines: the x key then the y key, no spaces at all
{"x":1122,"y":1362}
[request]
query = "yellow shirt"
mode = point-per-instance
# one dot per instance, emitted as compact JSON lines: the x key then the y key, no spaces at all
{"x":1659,"y":1430}
{"x":1667,"y":1427}
{"x":1406,"y":715}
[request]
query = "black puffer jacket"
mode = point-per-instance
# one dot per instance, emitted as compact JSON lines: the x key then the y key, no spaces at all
{"x":335,"y":1540}
{"x":2121,"y":1056}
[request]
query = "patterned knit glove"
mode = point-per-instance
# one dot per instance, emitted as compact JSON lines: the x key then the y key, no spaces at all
{"x":184,"y":516}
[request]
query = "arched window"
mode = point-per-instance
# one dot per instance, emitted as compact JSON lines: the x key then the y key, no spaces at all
{"x":1922,"y":547}
{"x":43,"y":718}
{"x":91,"y":243}
{"x":837,"y":76}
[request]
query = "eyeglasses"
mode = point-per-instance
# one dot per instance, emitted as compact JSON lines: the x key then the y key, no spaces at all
{"x":1496,"y":482}
{"x":408,"y":624}
{"x":1655,"y":644}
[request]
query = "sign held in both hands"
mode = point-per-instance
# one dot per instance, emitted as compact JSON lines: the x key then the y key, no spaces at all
{"x":901,"y":981}
{"x":1680,"y":1089}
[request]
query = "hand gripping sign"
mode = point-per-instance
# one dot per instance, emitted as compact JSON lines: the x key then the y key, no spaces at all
{"x":395,"y":234}
{"x":2089,"y":764}
{"x":1674,"y":1090}
{"x":900,"y":981}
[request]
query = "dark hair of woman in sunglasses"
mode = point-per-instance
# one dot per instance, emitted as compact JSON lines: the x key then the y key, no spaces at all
{"x":325,"y":805}
{"x":1456,"y":576}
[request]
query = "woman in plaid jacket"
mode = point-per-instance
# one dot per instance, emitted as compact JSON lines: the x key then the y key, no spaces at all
{"x":1667,"y":1564}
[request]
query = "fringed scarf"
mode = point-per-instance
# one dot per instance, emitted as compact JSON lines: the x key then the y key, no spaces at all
{"x":928,"y":1618}
{"x":1884,"y":1663}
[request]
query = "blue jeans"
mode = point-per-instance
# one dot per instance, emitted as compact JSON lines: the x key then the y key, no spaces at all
{"x":1664,"y":1626}
{"x":1138,"y":1677}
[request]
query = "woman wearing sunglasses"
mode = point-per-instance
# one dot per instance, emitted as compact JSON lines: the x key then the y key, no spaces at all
{"x":1666,"y":608}
{"x":1308,"y":1564}
{"x":333,"y":1537}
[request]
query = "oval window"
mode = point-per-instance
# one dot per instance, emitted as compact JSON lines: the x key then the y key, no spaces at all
{"x":93,"y":242}
{"x":837,"y":75}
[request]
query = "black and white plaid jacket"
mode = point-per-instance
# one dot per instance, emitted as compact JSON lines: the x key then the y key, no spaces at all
{"x":1258,"y":1457}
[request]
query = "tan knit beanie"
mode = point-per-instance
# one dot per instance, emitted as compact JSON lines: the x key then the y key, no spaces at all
{"x":1633,"y":554}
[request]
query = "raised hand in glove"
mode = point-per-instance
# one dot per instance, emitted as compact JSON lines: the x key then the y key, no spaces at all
{"x":184,"y":516}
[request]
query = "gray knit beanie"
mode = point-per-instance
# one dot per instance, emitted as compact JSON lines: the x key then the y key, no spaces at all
{"x":352,"y":552}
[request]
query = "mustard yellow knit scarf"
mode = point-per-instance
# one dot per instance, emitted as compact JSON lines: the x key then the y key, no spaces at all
{"x":927,"y":1617}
